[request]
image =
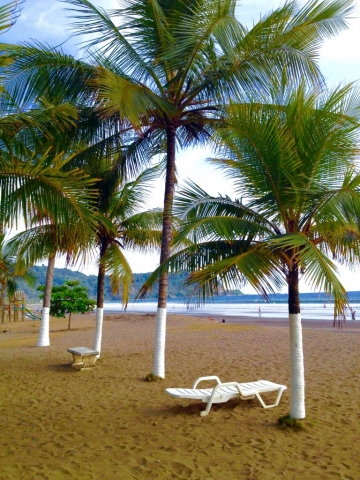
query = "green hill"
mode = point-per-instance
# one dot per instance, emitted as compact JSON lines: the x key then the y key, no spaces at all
{"x":176,"y":289}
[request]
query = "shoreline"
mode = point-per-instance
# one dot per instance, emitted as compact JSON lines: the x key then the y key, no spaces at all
{"x":263,"y":321}
{"x":313,"y":324}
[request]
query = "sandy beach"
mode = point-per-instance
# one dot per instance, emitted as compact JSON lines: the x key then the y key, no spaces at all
{"x":108,"y":423}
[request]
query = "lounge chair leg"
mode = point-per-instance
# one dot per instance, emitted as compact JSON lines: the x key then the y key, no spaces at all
{"x":210,"y":402}
{"x":277,"y":400}
{"x":208,"y":406}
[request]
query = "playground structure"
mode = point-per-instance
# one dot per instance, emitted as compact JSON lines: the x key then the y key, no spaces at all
{"x":15,"y":310}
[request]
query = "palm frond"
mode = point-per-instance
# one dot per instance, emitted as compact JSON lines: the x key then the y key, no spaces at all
{"x":142,"y":231}
{"x":132,"y":195}
{"x":119,"y":271}
{"x":106,"y":38}
{"x":37,"y":69}
{"x":9,"y":13}
{"x":130,"y":100}
{"x":27,"y":188}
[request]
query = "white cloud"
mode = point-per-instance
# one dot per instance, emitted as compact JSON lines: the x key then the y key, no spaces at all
{"x":47,"y":21}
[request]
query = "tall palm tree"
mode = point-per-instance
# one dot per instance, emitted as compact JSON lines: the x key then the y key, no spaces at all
{"x":34,"y":190}
{"x":36,"y":128}
{"x":168,"y":68}
{"x":294,"y":166}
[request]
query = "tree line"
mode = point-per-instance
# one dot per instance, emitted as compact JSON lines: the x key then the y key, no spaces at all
{"x":61,"y":275}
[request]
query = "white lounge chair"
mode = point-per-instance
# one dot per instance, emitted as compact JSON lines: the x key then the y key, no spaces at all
{"x":224,"y":391}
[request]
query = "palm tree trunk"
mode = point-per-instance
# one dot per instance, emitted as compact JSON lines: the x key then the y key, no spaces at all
{"x":2,"y":301}
{"x":160,"y":333}
{"x":100,"y":303}
{"x":297,"y":404}
{"x":44,"y":337}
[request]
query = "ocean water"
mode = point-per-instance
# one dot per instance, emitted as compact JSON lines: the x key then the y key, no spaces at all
{"x":315,"y":311}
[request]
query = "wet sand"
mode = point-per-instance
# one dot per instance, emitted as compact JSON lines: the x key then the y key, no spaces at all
{"x":314,"y":324}
{"x":108,"y":423}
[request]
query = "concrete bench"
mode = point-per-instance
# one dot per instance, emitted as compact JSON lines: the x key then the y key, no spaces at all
{"x":83,"y":358}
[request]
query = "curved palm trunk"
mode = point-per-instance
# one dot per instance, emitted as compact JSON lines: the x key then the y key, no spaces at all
{"x":160,"y":333}
{"x":297,"y":404}
{"x":100,"y":303}
{"x":44,"y":336}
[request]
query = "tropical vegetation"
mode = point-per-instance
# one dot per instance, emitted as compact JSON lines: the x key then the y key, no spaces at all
{"x":177,"y":289}
{"x":294,"y":166}
{"x":69,"y":298}
{"x":40,"y":190}
{"x":36,"y":184}
{"x":170,"y":67}
{"x":160,"y":76}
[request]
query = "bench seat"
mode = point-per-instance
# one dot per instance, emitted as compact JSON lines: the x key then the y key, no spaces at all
{"x":83,"y":358}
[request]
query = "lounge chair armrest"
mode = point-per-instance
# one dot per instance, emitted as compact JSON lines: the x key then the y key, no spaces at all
{"x":200,"y":379}
{"x":227,"y":384}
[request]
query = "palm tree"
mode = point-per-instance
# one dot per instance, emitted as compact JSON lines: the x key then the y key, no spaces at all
{"x":48,"y":239}
{"x":35,"y":190}
{"x":295,"y":171}
{"x":169,"y":67}
{"x":38,"y":186}
{"x":125,"y":228}
{"x":36,"y":176}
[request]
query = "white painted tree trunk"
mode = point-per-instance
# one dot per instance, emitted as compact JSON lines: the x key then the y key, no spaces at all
{"x":98,"y":329}
{"x":297,"y":405}
{"x":160,"y":335}
{"x":44,"y":337}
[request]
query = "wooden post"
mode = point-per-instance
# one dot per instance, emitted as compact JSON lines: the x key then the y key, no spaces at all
{"x":16,"y":308}
{"x":20,"y":304}
{"x":6,"y":316}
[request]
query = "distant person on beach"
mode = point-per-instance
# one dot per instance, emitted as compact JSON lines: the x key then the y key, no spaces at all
{"x":259,"y":312}
{"x":223,"y":321}
{"x":353,"y":315}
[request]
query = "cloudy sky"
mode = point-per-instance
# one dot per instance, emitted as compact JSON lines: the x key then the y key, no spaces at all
{"x":47,"y":21}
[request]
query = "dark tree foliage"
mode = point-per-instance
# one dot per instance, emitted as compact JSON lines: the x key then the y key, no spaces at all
{"x":71,"y":297}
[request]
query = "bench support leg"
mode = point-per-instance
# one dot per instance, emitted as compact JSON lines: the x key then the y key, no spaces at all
{"x":83,"y":362}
